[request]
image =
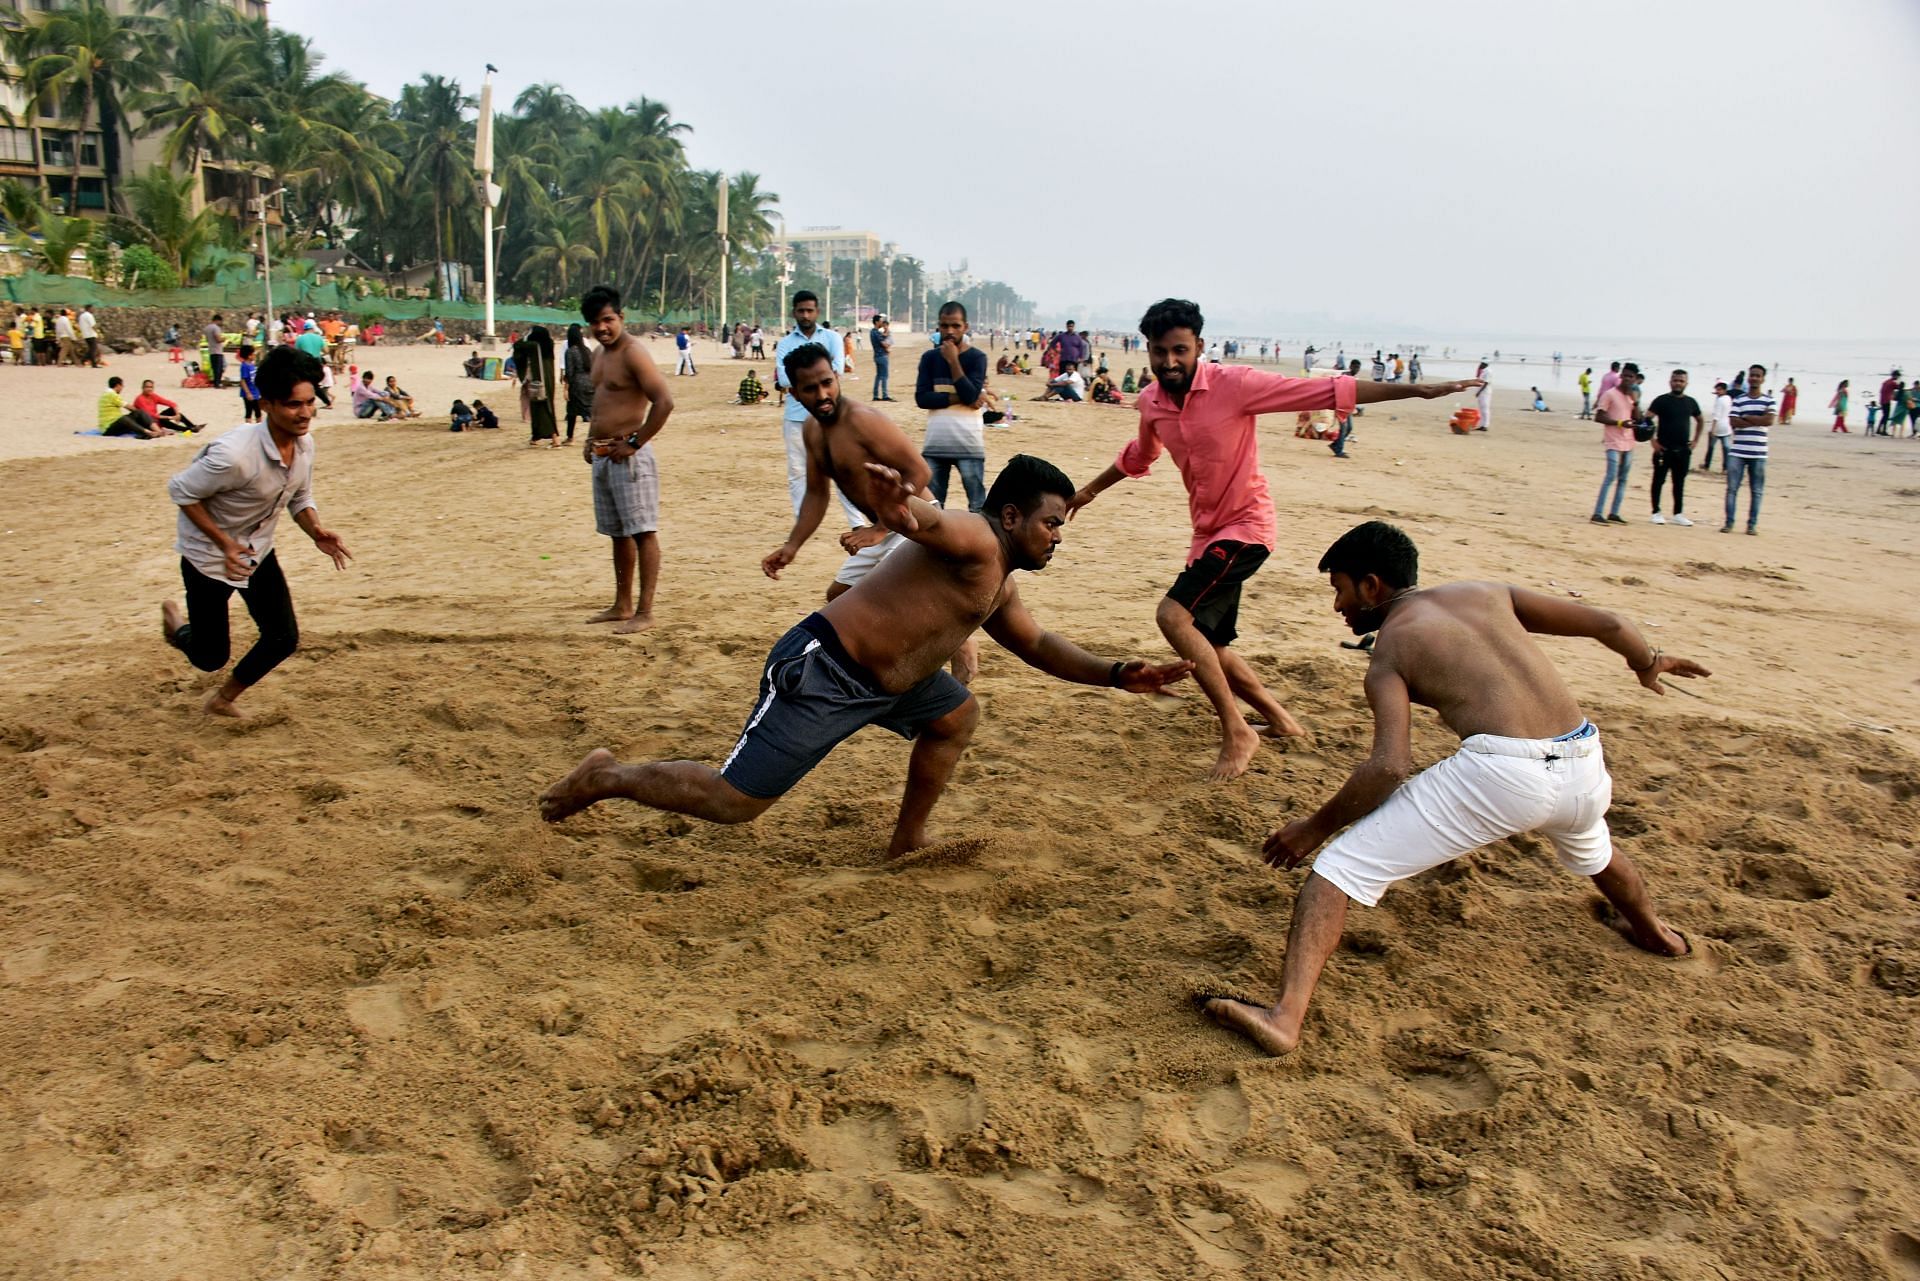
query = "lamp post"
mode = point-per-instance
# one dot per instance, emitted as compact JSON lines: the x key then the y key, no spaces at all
{"x":266,"y":263}
{"x":663,"y":286}
{"x":489,"y":193}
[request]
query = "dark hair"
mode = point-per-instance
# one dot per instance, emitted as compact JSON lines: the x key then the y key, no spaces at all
{"x":1374,"y":548}
{"x":1616,"y":366}
{"x":1169,"y":314}
{"x":948,"y":308}
{"x":805,"y":356}
{"x":1024,"y":482}
{"x":246,"y":349}
{"x":806,"y":295}
{"x":116,"y":381}
{"x":1681,"y":372}
{"x":574,"y":337}
{"x":1630,"y":368}
{"x":597,"y":300}
{"x":282,"y":369}
{"x":1761,"y":368}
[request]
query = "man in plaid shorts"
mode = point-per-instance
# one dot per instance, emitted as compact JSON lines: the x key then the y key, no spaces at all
{"x":630,"y":406}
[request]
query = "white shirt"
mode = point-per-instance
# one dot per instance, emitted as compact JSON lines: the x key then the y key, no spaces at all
{"x":242,"y":483}
{"x":62,"y":327}
{"x":1071,"y":379}
{"x":253,"y":325}
{"x":88,"y":329}
{"x":1723,"y":415}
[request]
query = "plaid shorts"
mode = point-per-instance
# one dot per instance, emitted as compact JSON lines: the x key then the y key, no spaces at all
{"x":626,"y":495}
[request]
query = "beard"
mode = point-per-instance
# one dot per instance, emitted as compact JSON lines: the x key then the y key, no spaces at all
{"x":1362,"y":621}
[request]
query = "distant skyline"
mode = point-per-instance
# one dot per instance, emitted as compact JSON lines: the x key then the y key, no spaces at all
{"x":1492,"y":166}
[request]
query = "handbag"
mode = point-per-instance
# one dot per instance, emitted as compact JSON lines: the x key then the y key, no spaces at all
{"x":536,"y":389}
{"x":1643,"y":430}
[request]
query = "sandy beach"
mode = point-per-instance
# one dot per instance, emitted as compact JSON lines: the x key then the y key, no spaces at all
{"x":319,"y":995}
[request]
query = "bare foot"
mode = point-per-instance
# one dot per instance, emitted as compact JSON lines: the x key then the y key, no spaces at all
{"x":588,"y":783}
{"x":1283,"y":726}
{"x":1237,"y":750}
{"x":638,"y":623}
{"x":906,"y":842}
{"x":218,"y":706}
{"x":1253,"y":1022}
{"x":612,"y":614}
{"x":171,"y":620}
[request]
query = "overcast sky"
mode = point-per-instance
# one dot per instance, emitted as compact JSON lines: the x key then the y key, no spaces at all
{"x":1527,"y":167}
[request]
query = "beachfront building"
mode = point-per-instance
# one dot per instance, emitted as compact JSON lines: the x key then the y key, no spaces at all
{"x":38,"y":140}
{"x":821,"y":245}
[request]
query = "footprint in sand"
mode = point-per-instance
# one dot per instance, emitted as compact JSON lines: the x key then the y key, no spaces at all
{"x":1784,"y":879}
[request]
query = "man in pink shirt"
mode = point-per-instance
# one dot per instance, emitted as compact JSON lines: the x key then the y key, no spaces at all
{"x":1616,"y":411}
{"x":1203,"y":414}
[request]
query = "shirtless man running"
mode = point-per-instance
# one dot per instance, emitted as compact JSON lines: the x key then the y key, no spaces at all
{"x":1528,"y":760}
{"x":841,"y":437}
{"x":873,"y":656}
{"x":630,"y":406}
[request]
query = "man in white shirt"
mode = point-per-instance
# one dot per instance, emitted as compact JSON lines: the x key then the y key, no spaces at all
{"x":1721,"y":432}
{"x":230,"y":499}
{"x":90,"y":336}
{"x":1067,"y":385}
{"x":63,"y":334}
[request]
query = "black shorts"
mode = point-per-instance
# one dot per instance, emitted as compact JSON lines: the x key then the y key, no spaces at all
{"x":1209,"y":589}
{"x":813,"y":697}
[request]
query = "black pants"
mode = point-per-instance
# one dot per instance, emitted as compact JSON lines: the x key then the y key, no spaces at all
{"x":204,"y":637}
{"x":1674,"y":463}
{"x":216,"y":368}
{"x":579,"y":408}
{"x":132,"y":423}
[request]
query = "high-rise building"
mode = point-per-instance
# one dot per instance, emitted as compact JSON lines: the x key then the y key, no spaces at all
{"x":821,"y":243}
{"x":37,"y":139}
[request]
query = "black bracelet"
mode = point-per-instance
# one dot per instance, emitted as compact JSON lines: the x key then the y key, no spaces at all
{"x":1113,"y":674}
{"x":1651,"y":663}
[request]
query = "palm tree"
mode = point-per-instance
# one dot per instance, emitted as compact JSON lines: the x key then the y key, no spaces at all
{"x":433,"y":114}
{"x":89,"y":58}
{"x":60,"y":238}
{"x":553,"y":258}
{"x":211,"y":99}
{"x":19,"y":204}
{"x":162,"y":215}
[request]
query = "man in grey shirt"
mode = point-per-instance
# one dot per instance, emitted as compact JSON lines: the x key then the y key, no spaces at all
{"x":216,"y":353}
{"x":230,"y":499}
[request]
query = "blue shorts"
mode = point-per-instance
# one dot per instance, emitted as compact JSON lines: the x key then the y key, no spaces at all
{"x":813,"y":697}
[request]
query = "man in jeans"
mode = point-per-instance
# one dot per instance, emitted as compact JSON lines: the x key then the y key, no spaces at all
{"x":1753,"y":414}
{"x":1615,"y":413}
{"x":951,"y":387}
{"x":1672,"y":446}
{"x":369,"y":400}
{"x":1721,"y":432}
{"x":882,"y":351}
{"x":230,"y":500}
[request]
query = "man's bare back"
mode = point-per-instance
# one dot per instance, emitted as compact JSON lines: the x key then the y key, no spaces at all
{"x":1463,"y":650}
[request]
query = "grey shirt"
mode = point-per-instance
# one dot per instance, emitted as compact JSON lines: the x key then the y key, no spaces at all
{"x":242,"y":483}
{"x":214,"y":339}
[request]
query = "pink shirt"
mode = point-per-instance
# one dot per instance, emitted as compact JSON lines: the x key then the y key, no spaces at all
{"x":1212,"y":440}
{"x":1608,"y":381}
{"x":1616,"y":404}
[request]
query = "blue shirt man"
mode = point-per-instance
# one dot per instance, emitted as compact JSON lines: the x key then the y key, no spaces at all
{"x":806,"y":329}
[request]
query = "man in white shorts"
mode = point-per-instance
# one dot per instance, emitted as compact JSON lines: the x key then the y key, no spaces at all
{"x":1528,"y":760}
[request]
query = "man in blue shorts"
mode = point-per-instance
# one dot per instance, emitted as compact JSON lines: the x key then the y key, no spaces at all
{"x":874,"y":656}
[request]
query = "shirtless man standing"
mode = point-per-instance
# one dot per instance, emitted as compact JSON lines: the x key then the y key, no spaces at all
{"x":873,"y":656}
{"x":630,"y":406}
{"x":841,"y":437}
{"x":1528,"y":760}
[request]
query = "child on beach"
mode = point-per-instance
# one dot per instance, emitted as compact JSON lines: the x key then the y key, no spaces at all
{"x":249,"y":394}
{"x":484,"y":418}
{"x":462,"y":416}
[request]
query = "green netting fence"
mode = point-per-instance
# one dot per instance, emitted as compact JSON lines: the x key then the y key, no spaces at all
{"x":36,"y":289}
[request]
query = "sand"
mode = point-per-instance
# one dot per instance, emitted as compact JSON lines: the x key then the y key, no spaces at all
{"x":318,"y":995}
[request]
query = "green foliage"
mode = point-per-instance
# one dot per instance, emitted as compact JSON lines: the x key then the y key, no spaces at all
{"x":142,"y":268}
{"x":60,"y":238}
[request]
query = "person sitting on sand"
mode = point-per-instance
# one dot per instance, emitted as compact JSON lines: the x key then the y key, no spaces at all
{"x":1539,"y":401}
{"x":1066,"y":385}
{"x":462,"y":416}
{"x":398,"y":397}
{"x":874,"y":656}
{"x":1127,"y":387}
{"x":1026,"y":365}
{"x":1006,"y":364}
{"x":473,"y":365}
{"x":1101,"y":392}
{"x":1528,"y":760}
{"x":161,"y":410}
{"x":117,"y":418}
{"x":752,"y":390}
{"x":484,"y":419}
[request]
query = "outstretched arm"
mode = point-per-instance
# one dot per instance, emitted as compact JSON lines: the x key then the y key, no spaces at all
{"x":899,"y":508}
{"x":1551,"y":616}
{"x":1369,"y":393}
{"x":1372,"y":781}
{"x":1022,"y":635}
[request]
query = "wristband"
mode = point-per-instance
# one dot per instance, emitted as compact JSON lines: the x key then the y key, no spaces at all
{"x":633,"y":439}
{"x":1113,"y":674}
{"x":1651,"y":663}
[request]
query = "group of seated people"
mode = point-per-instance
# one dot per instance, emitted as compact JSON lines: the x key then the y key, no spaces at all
{"x":477,"y":418}
{"x":1012,"y":364}
{"x":149,"y":417}
{"x":389,"y":402}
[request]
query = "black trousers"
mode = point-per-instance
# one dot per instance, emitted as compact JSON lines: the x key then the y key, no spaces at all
{"x":1674,"y":463}
{"x":204,"y":638}
{"x":216,"y":368}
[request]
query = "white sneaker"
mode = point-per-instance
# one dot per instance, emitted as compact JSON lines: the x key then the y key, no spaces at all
{"x":1679,"y":519}
{"x":1658,"y":519}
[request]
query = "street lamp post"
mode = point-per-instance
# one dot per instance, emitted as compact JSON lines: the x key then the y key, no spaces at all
{"x":489,"y":194}
{"x":663,"y":286}
{"x":266,"y":262}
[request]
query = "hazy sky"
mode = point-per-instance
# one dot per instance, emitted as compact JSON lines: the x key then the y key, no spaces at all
{"x":1530,"y":167}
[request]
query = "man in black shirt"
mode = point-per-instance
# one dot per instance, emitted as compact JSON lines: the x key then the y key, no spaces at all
{"x":1673,"y":445}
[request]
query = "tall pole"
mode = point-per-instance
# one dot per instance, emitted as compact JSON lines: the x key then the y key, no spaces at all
{"x":266,"y":262}
{"x":723,"y":256}
{"x":829,"y":315}
{"x":489,"y":194}
{"x":855,"y":325}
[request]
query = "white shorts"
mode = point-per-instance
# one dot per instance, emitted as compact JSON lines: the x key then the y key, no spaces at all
{"x":1491,"y":788}
{"x":862,"y":562}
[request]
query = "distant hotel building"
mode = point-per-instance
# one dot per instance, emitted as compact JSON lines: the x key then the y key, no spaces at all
{"x":819,"y":244}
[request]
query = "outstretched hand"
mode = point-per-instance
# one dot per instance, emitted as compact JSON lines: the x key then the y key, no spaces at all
{"x":890,"y":491}
{"x":1433,"y":391}
{"x":863,"y":537}
{"x":1142,"y":677}
{"x":1289,"y":846}
{"x":1669,"y":663}
{"x":329,"y":542}
{"x":1079,"y":500}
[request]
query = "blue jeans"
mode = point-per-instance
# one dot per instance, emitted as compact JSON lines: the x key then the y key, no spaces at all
{"x":1619,"y":463}
{"x":973,"y":474}
{"x":1586,"y":405}
{"x":1340,"y":442}
{"x":1724,"y":456}
{"x":1755,"y":470}
{"x":880,"y":378}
